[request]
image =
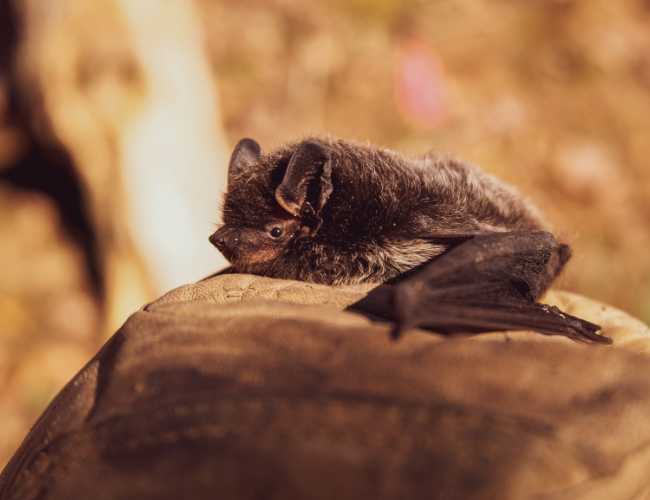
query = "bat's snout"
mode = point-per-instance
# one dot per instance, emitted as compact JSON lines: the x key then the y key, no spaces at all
{"x":218,"y":240}
{"x":225,"y":241}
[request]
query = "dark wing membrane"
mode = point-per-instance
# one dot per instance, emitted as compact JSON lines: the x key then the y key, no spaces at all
{"x":481,"y":317}
{"x":487,"y":283}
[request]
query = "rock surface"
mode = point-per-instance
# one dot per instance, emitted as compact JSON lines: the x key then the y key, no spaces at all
{"x":247,"y":387}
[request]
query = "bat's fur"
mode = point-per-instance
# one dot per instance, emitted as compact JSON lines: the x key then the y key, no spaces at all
{"x":380,"y":220}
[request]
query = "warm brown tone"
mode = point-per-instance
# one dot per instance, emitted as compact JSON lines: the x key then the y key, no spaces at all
{"x":550,"y":95}
{"x":250,"y":387}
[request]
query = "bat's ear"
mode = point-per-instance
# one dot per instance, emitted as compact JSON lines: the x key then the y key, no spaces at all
{"x":307,"y":182}
{"x":246,"y":153}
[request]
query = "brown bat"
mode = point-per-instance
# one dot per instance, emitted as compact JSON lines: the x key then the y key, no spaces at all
{"x":454,"y":249}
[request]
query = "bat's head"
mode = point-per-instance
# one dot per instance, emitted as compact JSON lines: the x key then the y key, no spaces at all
{"x":272,"y":206}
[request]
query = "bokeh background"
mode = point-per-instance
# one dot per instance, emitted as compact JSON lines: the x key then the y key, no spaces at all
{"x":117,"y":117}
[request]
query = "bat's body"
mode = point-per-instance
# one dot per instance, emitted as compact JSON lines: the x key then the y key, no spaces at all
{"x":469,"y":252}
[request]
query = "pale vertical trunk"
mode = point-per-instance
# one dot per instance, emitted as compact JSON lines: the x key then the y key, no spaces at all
{"x":126,"y":89}
{"x":174,"y":148}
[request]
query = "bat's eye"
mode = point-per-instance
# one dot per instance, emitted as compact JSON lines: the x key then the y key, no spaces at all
{"x":276,"y":232}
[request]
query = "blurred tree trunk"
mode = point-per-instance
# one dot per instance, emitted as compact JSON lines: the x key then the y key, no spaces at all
{"x":124,"y":89}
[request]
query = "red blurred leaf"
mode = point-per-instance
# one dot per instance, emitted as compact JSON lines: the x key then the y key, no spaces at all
{"x":419,"y":85}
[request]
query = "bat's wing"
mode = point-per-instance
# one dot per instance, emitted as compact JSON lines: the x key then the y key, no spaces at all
{"x":486,"y":283}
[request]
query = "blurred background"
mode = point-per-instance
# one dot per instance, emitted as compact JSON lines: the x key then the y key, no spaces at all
{"x":117,"y":118}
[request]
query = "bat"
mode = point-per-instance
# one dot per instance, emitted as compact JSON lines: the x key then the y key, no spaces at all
{"x":452,"y":248}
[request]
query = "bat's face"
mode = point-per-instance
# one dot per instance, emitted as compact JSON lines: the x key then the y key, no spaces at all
{"x":271,"y":208}
{"x":257,"y":246}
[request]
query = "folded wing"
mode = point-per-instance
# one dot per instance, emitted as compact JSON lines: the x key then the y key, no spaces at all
{"x":485,"y":283}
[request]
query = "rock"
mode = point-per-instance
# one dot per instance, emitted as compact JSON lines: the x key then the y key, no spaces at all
{"x":248,"y":387}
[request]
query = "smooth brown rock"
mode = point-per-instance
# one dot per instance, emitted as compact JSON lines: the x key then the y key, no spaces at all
{"x":246,"y":387}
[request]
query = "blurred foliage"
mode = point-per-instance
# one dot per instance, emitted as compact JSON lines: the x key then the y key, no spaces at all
{"x":551,"y":95}
{"x":47,"y":317}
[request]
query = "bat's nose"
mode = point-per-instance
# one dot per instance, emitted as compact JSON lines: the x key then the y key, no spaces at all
{"x":218,"y":240}
{"x":226,"y":241}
